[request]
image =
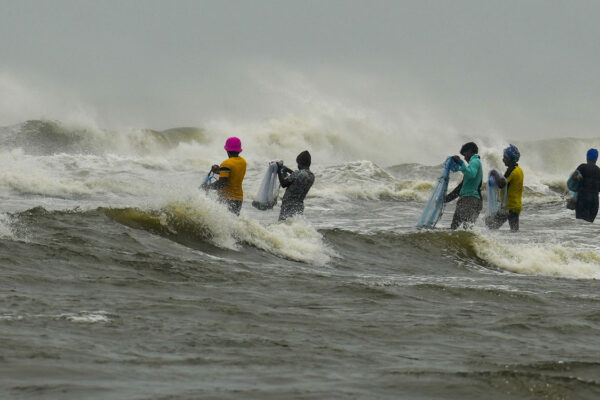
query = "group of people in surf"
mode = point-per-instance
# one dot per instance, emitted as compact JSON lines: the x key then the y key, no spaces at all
{"x":470,"y":204}
{"x":298,"y":182}
{"x":231,"y":174}
{"x":470,"y":201}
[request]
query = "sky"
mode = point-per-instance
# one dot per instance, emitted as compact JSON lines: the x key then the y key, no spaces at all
{"x":523,"y":69}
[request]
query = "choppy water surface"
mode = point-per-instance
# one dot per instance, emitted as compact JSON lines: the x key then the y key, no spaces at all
{"x":120,"y":279}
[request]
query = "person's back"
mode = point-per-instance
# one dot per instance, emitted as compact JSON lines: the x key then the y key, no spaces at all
{"x":587,"y":196}
{"x":590,"y":182}
{"x":234,"y":169}
{"x":298,"y":183}
{"x":231,"y":175}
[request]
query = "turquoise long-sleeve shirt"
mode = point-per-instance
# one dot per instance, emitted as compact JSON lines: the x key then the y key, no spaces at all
{"x":473,"y":174}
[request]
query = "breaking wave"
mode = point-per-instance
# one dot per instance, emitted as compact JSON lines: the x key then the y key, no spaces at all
{"x":50,"y":137}
{"x":36,"y":151}
{"x":494,"y":251}
{"x":209,"y":222}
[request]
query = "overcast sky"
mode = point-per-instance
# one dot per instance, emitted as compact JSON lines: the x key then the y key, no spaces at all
{"x":515,"y":67}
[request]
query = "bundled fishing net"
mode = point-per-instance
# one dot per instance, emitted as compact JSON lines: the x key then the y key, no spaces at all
{"x":268,"y":191}
{"x":435,"y":205}
{"x":496,"y":197}
{"x":573,"y":187}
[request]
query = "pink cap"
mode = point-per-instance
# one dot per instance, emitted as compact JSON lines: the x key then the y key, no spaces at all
{"x":233,"y":144}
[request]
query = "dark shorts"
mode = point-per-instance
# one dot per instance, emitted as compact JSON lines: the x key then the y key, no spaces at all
{"x":289,"y":209}
{"x":587,"y":206}
{"x":235,"y":206}
{"x":467,"y":211}
{"x":500,"y":218}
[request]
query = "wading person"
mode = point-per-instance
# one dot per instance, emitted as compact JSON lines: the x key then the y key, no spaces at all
{"x":513,"y":177}
{"x":589,"y":186}
{"x":469,"y":204}
{"x":231,"y":175}
{"x":298,"y":183}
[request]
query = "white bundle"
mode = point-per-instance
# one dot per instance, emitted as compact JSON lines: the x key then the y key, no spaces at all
{"x":268,"y":190}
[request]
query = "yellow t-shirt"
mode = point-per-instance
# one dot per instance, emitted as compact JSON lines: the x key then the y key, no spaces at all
{"x":515,"y":190}
{"x":233,"y":169}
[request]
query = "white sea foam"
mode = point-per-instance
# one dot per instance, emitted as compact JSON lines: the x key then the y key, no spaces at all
{"x":66,"y":175}
{"x":90,"y":317}
{"x":11,"y":229}
{"x":6,"y":231}
{"x":566,"y":259}
{"x":79,"y":317}
{"x":204,"y":217}
{"x":295,"y":239}
{"x":11,"y":317}
{"x":365,"y":180}
{"x":348,"y":191}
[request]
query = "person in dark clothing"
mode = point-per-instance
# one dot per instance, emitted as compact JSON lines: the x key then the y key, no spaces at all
{"x":469,"y":205}
{"x":589,"y":186}
{"x":298,"y":183}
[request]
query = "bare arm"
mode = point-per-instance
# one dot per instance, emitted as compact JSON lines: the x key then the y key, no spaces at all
{"x":453,"y":194}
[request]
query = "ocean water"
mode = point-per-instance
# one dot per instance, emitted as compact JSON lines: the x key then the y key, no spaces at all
{"x":120,"y":279}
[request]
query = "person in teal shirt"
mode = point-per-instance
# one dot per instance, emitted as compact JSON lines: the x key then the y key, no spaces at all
{"x":469,"y":204}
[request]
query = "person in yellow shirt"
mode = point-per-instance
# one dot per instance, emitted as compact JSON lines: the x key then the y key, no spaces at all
{"x":231,"y":175}
{"x":513,"y":177}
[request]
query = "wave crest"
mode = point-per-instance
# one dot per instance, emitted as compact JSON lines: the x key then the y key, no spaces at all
{"x":43,"y":137}
{"x":202,"y":221}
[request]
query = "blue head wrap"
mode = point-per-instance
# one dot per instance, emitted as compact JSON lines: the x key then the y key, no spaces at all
{"x":452,"y":166}
{"x":592,"y":154}
{"x":512,"y":153}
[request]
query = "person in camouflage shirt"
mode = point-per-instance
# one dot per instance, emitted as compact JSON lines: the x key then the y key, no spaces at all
{"x":298,"y":183}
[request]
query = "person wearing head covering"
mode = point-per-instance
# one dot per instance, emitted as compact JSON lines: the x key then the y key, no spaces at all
{"x":231,"y":175}
{"x":513,"y":177}
{"x":469,"y":204}
{"x":589,"y":186}
{"x":298,"y":183}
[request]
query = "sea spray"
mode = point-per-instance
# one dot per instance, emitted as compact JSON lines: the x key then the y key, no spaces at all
{"x":6,"y":229}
